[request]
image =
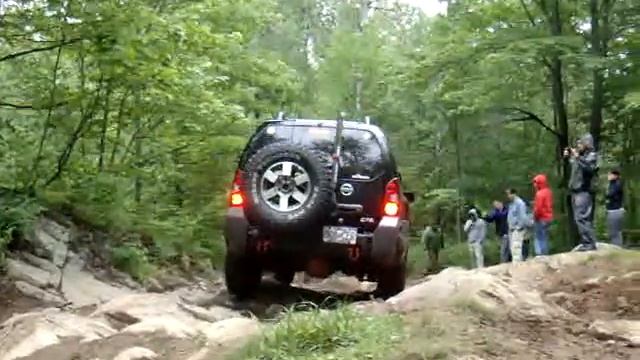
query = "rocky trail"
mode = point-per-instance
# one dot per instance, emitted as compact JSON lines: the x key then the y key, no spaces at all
{"x":55,"y":306}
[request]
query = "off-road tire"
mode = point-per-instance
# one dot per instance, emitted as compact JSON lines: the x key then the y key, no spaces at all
{"x":391,"y":281}
{"x":313,"y":211}
{"x":284,"y":277}
{"x":242,"y":275}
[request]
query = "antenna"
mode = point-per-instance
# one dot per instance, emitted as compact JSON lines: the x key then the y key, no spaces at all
{"x":367,"y":120}
{"x":281,"y":116}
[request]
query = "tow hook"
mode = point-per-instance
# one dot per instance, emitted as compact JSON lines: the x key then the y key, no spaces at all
{"x":354,"y":253}
{"x":263,"y":246}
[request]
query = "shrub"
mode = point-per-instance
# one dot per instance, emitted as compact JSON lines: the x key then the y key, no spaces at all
{"x":132,"y":259}
{"x":17,"y":214}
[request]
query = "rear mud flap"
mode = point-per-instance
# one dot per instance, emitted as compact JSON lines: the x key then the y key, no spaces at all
{"x":235,"y":231}
{"x":389,"y":242}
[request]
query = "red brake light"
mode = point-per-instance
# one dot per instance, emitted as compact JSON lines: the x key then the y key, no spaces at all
{"x":236,"y":199}
{"x":392,"y":198}
{"x":391,"y":209}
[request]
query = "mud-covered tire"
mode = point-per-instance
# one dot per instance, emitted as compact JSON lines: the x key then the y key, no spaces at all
{"x":392,"y":281}
{"x":284,"y":277}
{"x":242,"y":275}
{"x":317,"y":206}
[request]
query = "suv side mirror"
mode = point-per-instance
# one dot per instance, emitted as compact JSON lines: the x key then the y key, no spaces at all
{"x":411,"y":197}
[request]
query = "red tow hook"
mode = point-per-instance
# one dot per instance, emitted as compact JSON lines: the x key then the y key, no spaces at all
{"x":263,"y":246}
{"x":354,"y":253}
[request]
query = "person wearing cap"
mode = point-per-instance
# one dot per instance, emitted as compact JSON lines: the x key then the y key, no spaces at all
{"x":584,"y":174}
{"x":615,"y":209}
{"x":476,"y":230}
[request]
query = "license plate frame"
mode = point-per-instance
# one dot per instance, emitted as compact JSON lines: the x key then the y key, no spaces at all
{"x":341,"y":235}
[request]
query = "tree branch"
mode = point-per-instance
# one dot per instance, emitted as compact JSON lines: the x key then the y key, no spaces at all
{"x":529,"y":116}
{"x":36,"y":50}
{"x":31,"y":106}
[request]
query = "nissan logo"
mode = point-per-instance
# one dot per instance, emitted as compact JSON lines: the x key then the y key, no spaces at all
{"x":346,"y":189}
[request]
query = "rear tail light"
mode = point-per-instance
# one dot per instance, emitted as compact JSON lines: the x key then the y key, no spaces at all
{"x":236,"y":198}
{"x":392,"y":198}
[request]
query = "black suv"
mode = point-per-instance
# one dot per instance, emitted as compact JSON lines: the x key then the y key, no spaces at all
{"x":318,"y":196}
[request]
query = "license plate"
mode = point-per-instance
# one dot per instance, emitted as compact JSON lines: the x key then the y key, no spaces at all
{"x":340,"y":235}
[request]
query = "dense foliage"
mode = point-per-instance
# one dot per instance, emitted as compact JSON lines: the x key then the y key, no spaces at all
{"x":130,"y":114}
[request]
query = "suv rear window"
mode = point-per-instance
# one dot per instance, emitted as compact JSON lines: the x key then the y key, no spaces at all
{"x":361,"y":153}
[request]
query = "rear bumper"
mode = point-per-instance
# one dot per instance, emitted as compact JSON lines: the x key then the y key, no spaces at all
{"x":382,"y":248}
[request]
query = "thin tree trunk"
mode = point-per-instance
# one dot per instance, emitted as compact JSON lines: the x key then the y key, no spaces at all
{"x":116,"y":142}
{"x":456,"y":134}
{"x":138,"y":164}
{"x":103,"y":131}
{"x":597,"y":101}
{"x":47,"y":123}
{"x":64,"y":157}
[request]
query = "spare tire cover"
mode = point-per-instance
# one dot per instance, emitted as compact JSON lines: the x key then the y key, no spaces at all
{"x":288,"y":187}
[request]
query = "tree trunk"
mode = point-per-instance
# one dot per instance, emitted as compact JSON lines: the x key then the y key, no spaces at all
{"x":119,"y":126}
{"x":456,"y":135}
{"x":560,"y":112}
{"x":103,"y":131}
{"x":47,"y":122}
{"x":597,"y":101}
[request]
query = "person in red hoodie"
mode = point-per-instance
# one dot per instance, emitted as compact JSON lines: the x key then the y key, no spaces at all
{"x":542,"y":214}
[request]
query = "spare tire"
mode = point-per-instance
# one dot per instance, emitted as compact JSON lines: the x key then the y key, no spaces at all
{"x":288,"y":187}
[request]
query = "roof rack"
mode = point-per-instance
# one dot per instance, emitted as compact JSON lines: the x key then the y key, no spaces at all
{"x":282,"y":116}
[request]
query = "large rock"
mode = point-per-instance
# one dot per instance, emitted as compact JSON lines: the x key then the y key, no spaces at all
{"x":81,"y":288}
{"x":231,"y":331}
{"x":39,"y":294}
{"x":485,"y":289}
{"x":50,"y":240}
{"x":152,"y":313}
{"x":136,"y":353}
{"x":27,"y":333}
{"x":21,"y":271}
{"x":627,"y":331}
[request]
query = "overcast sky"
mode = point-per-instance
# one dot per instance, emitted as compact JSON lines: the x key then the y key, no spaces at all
{"x":431,"y":7}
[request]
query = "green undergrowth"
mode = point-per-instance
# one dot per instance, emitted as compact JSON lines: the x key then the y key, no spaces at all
{"x":343,"y":334}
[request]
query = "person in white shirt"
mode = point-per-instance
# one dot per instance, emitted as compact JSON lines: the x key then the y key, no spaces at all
{"x":476,"y":229}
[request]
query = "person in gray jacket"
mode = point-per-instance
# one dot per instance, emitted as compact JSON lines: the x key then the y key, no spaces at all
{"x":517,"y":220}
{"x":584,"y":173}
{"x":476,"y":229}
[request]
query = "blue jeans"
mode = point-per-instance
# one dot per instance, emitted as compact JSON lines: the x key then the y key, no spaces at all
{"x":541,"y":242}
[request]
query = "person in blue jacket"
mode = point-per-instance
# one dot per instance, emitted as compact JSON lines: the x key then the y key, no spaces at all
{"x":498,"y":216}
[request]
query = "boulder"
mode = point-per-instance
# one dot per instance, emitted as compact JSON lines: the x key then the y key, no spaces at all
{"x":136,"y":353}
{"x":484,"y":288}
{"x":27,"y":333}
{"x":82,"y":288}
{"x":21,"y":271}
{"x":627,"y":331}
{"x":232,"y":331}
{"x":50,"y":240}
{"x":36,"y":293}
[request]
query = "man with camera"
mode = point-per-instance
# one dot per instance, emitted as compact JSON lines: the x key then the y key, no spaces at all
{"x":584,"y":174}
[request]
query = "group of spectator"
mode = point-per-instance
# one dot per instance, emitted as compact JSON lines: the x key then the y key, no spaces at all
{"x":514,"y":222}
